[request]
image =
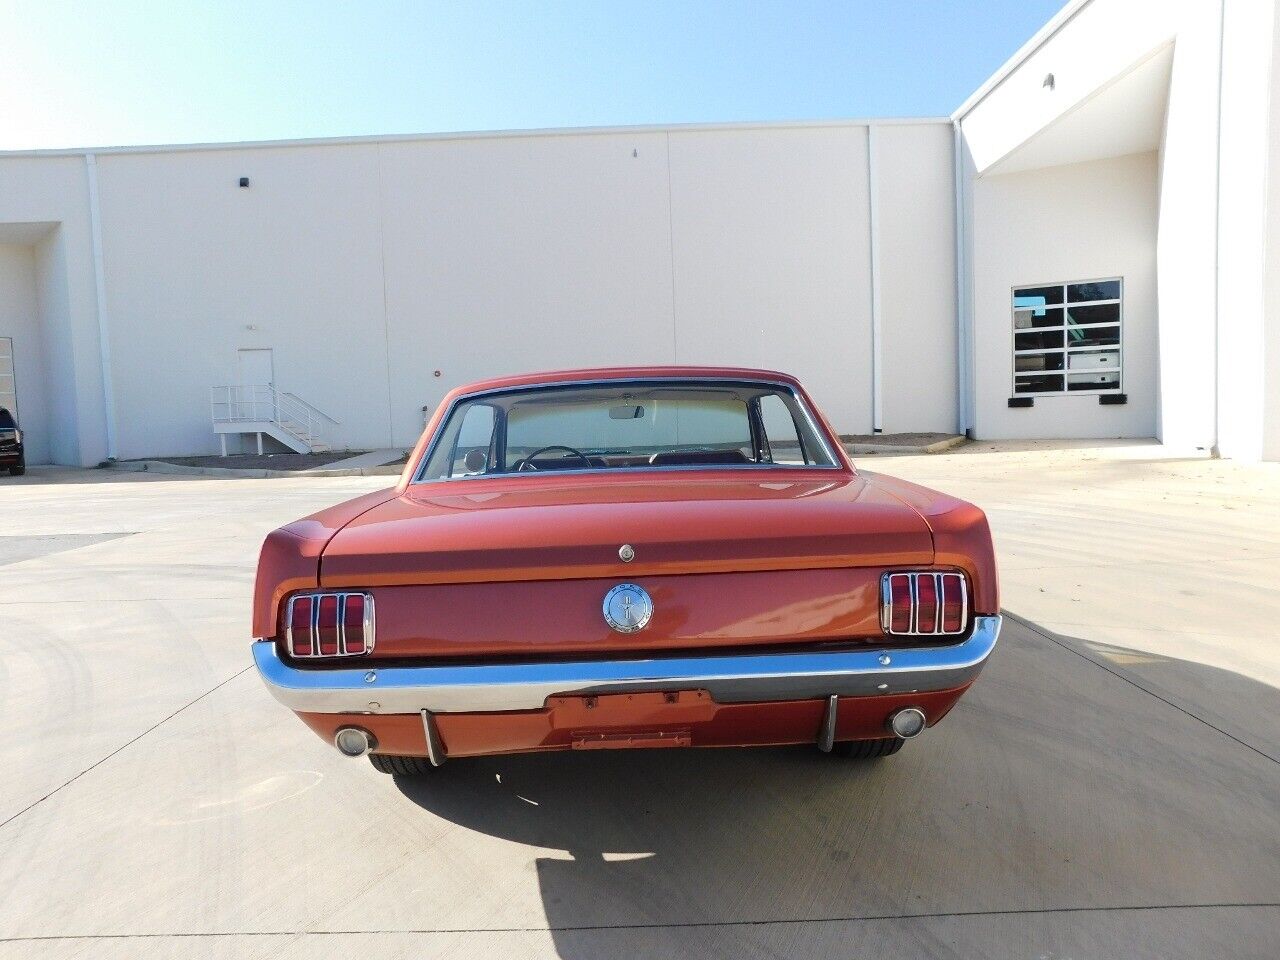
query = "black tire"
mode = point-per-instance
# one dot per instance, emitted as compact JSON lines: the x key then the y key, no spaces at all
{"x":868,"y":749}
{"x":401,"y":766}
{"x":18,"y":469}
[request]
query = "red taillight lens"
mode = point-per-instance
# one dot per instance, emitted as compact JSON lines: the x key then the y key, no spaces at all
{"x":901,"y":604}
{"x":954,"y":603}
{"x":329,"y":625}
{"x":300,"y":627}
{"x":924,"y":603}
{"x":353,"y":635}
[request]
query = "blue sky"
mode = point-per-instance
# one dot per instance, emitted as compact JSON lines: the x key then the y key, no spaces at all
{"x":115,"y":72}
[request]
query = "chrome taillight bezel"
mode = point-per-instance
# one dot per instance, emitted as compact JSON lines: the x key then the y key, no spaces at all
{"x":345,"y":645}
{"x":946,"y":584}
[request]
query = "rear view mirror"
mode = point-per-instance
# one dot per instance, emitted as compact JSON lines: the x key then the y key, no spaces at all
{"x":632,"y":411}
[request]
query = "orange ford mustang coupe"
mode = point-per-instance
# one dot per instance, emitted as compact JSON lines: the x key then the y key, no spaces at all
{"x":649,"y":557}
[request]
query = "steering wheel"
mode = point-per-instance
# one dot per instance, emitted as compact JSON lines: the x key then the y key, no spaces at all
{"x":527,"y":462}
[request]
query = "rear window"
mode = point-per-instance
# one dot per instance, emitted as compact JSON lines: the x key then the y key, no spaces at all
{"x":6,"y":420}
{"x":626,"y":426}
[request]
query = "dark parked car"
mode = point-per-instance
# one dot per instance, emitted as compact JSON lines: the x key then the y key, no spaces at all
{"x":11,"y":454}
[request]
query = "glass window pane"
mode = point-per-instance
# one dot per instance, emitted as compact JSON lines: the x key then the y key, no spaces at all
{"x":1093,"y":337}
{"x":1109,"y":380}
{"x":1037,"y":384}
{"x":606,"y":426}
{"x":780,"y":430}
{"x":1037,"y":296}
{"x":1095,"y":313}
{"x":1028,"y":362}
{"x":1025,"y":318}
{"x":1093,"y":360}
{"x":1097,"y":290}
{"x":623,"y":425}
{"x":471,"y":455}
{"x":1040,"y":340}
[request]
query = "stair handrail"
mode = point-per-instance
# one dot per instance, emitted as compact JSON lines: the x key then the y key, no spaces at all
{"x":262,"y":402}
{"x":241,"y":403}
{"x":287,"y":410}
{"x":313,"y":408}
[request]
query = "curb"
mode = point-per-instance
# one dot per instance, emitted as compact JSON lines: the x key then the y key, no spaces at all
{"x":937,"y":446}
{"x":178,"y":470}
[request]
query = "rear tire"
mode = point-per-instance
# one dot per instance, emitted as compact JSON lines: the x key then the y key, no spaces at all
{"x":17,"y":470}
{"x":868,"y":749}
{"x":401,"y":766}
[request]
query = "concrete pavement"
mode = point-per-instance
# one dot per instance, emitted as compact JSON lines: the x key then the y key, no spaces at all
{"x":1107,"y":789}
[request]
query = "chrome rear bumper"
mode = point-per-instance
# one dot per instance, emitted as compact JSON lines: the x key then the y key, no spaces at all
{"x":733,"y":678}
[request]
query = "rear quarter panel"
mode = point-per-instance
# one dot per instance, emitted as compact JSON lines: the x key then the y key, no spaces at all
{"x":290,"y":557}
{"x":961,"y":536}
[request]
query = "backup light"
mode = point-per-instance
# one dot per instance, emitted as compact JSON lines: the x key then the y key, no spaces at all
{"x":329,"y":625}
{"x":924,"y":603}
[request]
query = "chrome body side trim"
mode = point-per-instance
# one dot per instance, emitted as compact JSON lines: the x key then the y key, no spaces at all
{"x":729,"y":678}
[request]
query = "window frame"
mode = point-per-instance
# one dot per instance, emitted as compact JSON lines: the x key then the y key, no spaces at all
{"x":837,"y":464}
{"x":1066,"y":350}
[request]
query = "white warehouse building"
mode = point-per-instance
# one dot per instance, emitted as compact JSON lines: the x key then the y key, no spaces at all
{"x":1088,"y":247}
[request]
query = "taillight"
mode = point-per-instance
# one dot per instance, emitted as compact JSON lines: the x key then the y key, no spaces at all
{"x":329,"y":625}
{"x":924,"y":603}
{"x":901,"y":605}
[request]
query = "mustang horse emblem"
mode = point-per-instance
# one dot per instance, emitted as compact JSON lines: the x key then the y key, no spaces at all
{"x":627,"y":608}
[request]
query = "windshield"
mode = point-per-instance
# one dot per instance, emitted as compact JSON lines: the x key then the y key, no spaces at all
{"x":626,"y":426}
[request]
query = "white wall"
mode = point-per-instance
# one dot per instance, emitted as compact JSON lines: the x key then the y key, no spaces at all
{"x":20,"y":319}
{"x":1248,"y":236}
{"x":518,"y":254}
{"x":916,"y":226}
{"x":1100,"y":42}
{"x":771,"y":244}
{"x":73,"y":397}
{"x":53,"y":191}
{"x":1188,"y":235}
{"x":367,"y":266}
{"x":192,"y":261}
{"x":1060,"y":224}
{"x":1207,"y":220}
{"x":1270,"y":346}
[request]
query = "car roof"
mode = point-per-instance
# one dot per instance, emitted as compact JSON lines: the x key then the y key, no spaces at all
{"x":591,"y":374}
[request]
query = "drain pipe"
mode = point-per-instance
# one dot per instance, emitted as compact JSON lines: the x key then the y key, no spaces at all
{"x":877,"y":331}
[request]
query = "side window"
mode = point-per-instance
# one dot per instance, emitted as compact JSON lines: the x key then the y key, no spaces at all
{"x":780,"y":430}
{"x":475,"y":436}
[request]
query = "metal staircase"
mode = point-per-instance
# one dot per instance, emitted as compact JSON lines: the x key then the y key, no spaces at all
{"x":263,"y":410}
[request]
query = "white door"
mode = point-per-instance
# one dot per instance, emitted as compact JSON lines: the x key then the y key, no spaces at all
{"x":8,"y":388}
{"x":257,"y":374}
{"x":256,"y":368}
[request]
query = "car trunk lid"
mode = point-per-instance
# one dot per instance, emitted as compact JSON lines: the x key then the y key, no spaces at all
{"x":536,"y":528}
{"x":521,"y":567}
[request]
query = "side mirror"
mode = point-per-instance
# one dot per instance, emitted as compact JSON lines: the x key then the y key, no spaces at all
{"x":632,"y":411}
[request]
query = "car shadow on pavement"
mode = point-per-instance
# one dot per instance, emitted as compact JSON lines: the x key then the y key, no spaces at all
{"x":1056,"y":786}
